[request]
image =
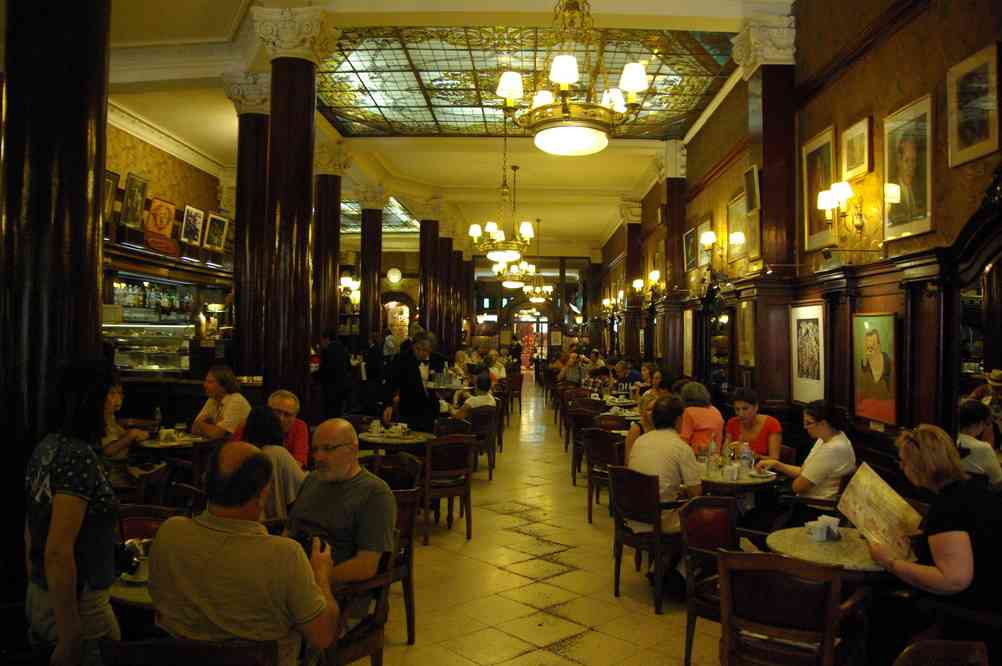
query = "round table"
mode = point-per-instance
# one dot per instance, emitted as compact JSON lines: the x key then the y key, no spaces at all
{"x":850,"y":552}
{"x":183,"y":442}
{"x":388,"y":441}
{"x":129,"y":594}
{"x":629,"y":416}
{"x":715,"y":484}
{"x":620,"y":403}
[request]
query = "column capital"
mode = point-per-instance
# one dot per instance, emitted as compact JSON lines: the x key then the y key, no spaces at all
{"x":427,"y":209}
{"x":250,"y":92}
{"x":330,"y":158}
{"x":766,"y":40}
{"x":372,"y":198}
{"x":629,"y":211}
{"x":671,"y":163}
{"x":305,"y":33}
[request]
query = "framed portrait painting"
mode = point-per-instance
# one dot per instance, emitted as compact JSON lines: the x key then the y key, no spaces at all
{"x":110,"y":190}
{"x":191,"y":227}
{"x":688,"y":336}
{"x":972,"y":93}
{"x":751,"y":188}
{"x":134,"y":201}
{"x":737,"y":237}
{"x":874,"y":364}
{"x":705,"y":252}
{"x":161,"y":218}
{"x":856,"y":150}
{"x":807,"y":351}
{"x":215,"y":233}
{"x":908,"y":170}
{"x":690,"y":246}
{"x":746,"y":334}
{"x":817,"y":174}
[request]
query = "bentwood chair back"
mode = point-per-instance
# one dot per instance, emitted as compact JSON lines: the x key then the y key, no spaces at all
{"x":448,"y":425}
{"x":485,"y":426}
{"x":365,"y":639}
{"x":943,"y":653}
{"x":448,"y":471}
{"x":400,"y":471}
{"x":141,"y":521}
{"x":602,"y":449}
{"x":186,"y":497}
{"x":403,"y":562}
{"x":515,"y":382}
{"x":173,"y":651}
{"x":577,"y":421}
{"x":611,"y":422}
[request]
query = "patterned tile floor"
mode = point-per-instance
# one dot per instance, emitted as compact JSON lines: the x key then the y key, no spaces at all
{"x":534,"y":585}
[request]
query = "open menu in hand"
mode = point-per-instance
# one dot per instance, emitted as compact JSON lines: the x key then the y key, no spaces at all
{"x":882,"y":515}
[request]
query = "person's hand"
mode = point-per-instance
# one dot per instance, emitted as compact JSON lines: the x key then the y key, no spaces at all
{"x":68,"y":652}
{"x":137,"y":435}
{"x":880,"y":553}
{"x":765,"y":465}
{"x":387,"y":415}
{"x":320,"y":560}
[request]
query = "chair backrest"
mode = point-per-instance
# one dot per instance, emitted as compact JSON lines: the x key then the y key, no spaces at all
{"x":366,"y":637}
{"x":187,"y":497}
{"x":602,"y":448}
{"x":611,"y":422}
{"x":780,"y":598}
{"x":484,"y":422}
{"x":575,"y":392}
{"x":943,"y":653}
{"x":450,"y":456}
{"x":151,"y":487}
{"x":407,"y":506}
{"x":634,"y":496}
{"x":591,"y":404}
{"x":141,"y":521}
{"x":172,"y":651}
{"x":359,"y":421}
{"x":515,"y":382}
{"x":452,"y":426}
{"x":709,"y":523}
{"x":400,"y":471}
{"x":200,"y":455}
{"x":787,"y":454}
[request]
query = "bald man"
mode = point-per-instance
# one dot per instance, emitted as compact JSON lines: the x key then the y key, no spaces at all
{"x":349,"y":506}
{"x":221,"y":576}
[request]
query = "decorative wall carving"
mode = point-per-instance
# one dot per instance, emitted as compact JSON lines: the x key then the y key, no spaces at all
{"x":764,"y":41}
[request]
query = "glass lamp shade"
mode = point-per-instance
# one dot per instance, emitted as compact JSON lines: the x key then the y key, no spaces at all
{"x":512,"y":284}
{"x":638,"y":284}
{"x":346,"y":281}
{"x":606,"y":302}
{"x":491,"y":227}
{"x":842,"y":191}
{"x":613,"y":98}
{"x":475,"y":231}
{"x":708,"y":238}
{"x":510,"y":86}
{"x":498,"y":267}
{"x":571,"y":140}
{"x":504,"y":256}
{"x":537,"y":299}
{"x":737,"y":238}
{"x":892,"y":193}
{"x":564,"y":70}
{"x":634,"y":78}
{"x":394,"y":275}
{"x":827,"y":200}
{"x":548,"y":288}
{"x":654,"y":276}
{"x":542,"y":98}
{"x":525,"y":229}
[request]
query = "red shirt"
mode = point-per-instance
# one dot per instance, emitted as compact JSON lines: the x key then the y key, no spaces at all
{"x":297,"y":440}
{"x":760,"y":444}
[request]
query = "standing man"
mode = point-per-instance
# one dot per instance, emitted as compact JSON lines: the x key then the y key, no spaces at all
{"x":405,"y":387}
{"x":334,"y":373}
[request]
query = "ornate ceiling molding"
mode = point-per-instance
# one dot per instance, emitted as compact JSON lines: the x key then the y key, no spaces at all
{"x":330,"y":158}
{"x":764,"y":41}
{"x":672,"y":162}
{"x":139,"y":127}
{"x":629,"y":212}
{"x":306,"y":33}
{"x":250,"y":92}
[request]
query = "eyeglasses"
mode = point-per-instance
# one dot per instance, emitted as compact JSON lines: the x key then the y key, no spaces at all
{"x":810,"y":424}
{"x":329,"y":448}
{"x":283,"y":412}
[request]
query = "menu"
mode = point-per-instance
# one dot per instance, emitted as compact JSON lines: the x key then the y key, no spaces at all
{"x":879,"y":513}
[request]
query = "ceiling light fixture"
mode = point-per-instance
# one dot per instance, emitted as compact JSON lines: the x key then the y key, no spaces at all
{"x":536,"y":288}
{"x":570,"y":126}
{"x":492,"y":239}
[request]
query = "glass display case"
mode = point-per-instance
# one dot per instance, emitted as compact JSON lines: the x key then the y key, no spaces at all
{"x":150,"y":347}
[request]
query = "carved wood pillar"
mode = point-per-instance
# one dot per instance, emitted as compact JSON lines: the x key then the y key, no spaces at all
{"x":429,"y":274}
{"x":370,"y":310}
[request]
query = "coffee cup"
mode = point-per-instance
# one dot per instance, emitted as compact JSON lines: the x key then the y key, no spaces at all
{"x":168,"y":435}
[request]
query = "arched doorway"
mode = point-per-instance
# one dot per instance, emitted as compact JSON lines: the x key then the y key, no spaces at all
{"x":398,"y":310}
{"x":529,"y":324}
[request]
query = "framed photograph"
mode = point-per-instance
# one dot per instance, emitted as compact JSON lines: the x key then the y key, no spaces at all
{"x":753,"y":235}
{"x":856,"y":150}
{"x":134,"y":201}
{"x":215,"y":233}
{"x":161,"y":218}
{"x":746,"y":334}
{"x":751,"y":188}
{"x":705,"y":253}
{"x":110,"y":190}
{"x":817,"y":174}
{"x":191,"y":227}
{"x":688,"y":335}
{"x":972,"y":102}
{"x":908,"y":170}
{"x":690,"y":248}
{"x":737,"y":236}
{"x":807,"y":352}
{"x":874,"y":365}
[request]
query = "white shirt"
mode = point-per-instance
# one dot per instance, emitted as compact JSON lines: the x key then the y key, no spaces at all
{"x":227,"y":413}
{"x":485,"y":400}
{"x":826,"y":464}
{"x":664,"y":454}
{"x":981,"y":459}
{"x":499,"y":372}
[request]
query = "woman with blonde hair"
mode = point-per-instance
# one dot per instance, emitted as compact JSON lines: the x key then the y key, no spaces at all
{"x":962,"y":547}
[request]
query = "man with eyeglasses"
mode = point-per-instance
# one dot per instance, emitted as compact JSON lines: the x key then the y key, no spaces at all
{"x":285,"y":404}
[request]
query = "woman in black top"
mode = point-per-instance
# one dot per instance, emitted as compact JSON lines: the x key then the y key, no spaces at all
{"x":963,"y":529}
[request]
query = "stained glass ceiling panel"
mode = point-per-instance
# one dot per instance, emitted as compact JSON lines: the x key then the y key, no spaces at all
{"x":396,"y":218}
{"x":441,"y":81}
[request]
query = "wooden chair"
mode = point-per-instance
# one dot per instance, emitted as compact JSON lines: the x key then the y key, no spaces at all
{"x":448,"y":471}
{"x":572,"y":398}
{"x":173,"y":651}
{"x":485,"y":425}
{"x":200,"y":455}
{"x":780,"y":610}
{"x":141,"y":521}
{"x":592,"y":404}
{"x":943,"y":653}
{"x":515,"y":388}
{"x":635,"y":497}
{"x":787,"y":454}
{"x":611,"y":422}
{"x":402,"y":566}
{"x":150,"y":486}
{"x":186,"y":497}
{"x":366,"y":639}
{"x":792,"y":502}
{"x":501,"y":392}
{"x":708,"y":524}
{"x":447,"y":425}
{"x":578,"y":420}
{"x":400,"y":471}
{"x":602,"y":449}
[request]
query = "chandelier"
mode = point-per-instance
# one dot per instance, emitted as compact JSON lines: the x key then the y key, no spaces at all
{"x":492,"y":240}
{"x":559,"y":124}
{"x":535,"y":288}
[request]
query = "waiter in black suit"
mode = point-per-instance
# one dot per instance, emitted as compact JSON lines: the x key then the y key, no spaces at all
{"x":334,"y":374}
{"x":405,"y":384}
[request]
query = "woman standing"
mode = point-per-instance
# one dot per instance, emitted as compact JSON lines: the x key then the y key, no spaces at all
{"x":763,"y":433}
{"x":71,"y":524}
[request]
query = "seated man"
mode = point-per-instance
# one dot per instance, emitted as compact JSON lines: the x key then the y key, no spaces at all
{"x":352,"y":508}
{"x":225,"y":408}
{"x":221,"y":576}
{"x":481,"y":397}
{"x":295,"y":432}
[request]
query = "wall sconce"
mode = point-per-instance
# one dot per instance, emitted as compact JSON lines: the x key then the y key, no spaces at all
{"x":837,"y":199}
{"x":638,"y":284}
{"x":481,"y":318}
{"x":708,"y":238}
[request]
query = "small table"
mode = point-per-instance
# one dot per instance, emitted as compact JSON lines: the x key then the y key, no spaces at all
{"x":183,"y":442}
{"x":620,"y":402}
{"x":389,"y":441}
{"x":129,"y":594}
{"x":629,"y":416}
{"x":850,"y":552}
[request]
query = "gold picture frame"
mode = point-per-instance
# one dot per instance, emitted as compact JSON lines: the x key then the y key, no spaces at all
{"x":908,"y":170}
{"x":817,"y":173}
{"x":972,"y":94}
{"x":856,"y":150}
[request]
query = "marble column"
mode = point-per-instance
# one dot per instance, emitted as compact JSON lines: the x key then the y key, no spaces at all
{"x":54,"y":123}
{"x":330,"y":161}
{"x":372,"y":202}
{"x":444,"y":280}
{"x":296,"y":41}
{"x":251,"y":97}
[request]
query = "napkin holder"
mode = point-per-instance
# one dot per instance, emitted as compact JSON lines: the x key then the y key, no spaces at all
{"x":731,"y":472}
{"x":824,"y":528}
